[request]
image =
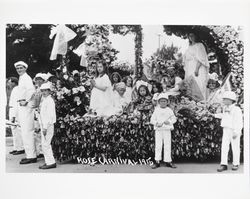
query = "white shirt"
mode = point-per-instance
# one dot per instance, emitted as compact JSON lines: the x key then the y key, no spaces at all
{"x":47,"y":111}
{"x":128,"y":94}
{"x":13,"y":102}
{"x":160,"y":115}
{"x":231,"y":117}
{"x":26,"y":87}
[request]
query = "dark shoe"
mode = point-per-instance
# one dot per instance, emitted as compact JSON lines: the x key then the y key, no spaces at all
{"x":51,"y":166}
{"x":28,"y":161}
{"x":19,"y":152}
{"x":40,"y":167}
{"x":156,"y":165}
{"x":170,"y":164}
{"x":40,"y":156}
{"x":13,"y":151}
{"x":222,"y":168}
{"x":235,"y":167}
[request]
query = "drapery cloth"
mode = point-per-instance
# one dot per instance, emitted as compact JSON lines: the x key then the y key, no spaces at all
{"x":197,"y":54}
{"x":63,"y":36}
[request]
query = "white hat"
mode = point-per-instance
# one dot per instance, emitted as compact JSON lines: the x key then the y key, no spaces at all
{"x":214,"y":76}
{"x":120,"y":85}
{"x":140,"y":83}
{"x":75,"y":72}
{"x":229,"y":95}
{"x":162,"y":95}
{"x":41,"y":75}
{"x":45,"y":86}
{"x":21,"y":63}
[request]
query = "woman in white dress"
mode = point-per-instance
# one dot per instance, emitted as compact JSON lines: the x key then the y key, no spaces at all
{"x":196,"y":67}
{"x":100,"y":94}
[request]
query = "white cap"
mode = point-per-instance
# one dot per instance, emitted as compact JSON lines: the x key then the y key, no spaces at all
{"x":21,"y":63}
{"x":75,"y":72}
{"x":214,"y":76}
{"x":41,"y":75}
{"x":140,"y":83}
{"x":162,"y":95}
{"x":229,"y":95}
{"x":45,"y":86}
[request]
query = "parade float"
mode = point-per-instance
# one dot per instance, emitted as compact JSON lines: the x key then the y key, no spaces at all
{"x":197,"y":134}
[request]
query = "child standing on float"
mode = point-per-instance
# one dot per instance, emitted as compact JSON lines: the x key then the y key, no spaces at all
{"x":163,"y":119}
{"x":99,"y":100}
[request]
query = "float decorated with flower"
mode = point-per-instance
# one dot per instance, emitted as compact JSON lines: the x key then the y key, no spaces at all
{"x":197,"y":134}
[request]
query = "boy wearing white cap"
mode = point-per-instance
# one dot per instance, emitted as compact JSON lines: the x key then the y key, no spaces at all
{"x":163,"y":119}
{"x":26,"y":112}
{"x":39,"y":79}
{"x":232,"y":123}
{"x":47,"y":118}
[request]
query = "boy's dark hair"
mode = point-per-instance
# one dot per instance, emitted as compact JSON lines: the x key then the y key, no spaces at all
{"x":158,"y":86}
{"x":125,"y":79}
{"x":217,"y":83}
{"x":14,"y":80}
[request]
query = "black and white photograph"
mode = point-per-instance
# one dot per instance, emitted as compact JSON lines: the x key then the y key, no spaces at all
{"x":124,"y":98}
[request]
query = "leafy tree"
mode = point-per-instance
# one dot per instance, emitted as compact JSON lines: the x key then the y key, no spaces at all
{"x":167,"y":52}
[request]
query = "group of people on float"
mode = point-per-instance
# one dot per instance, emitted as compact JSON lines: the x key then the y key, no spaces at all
{"x":114,"y":95}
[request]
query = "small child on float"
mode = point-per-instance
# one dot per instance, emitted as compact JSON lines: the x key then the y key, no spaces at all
{"x":232,"y":124}
{"x":128,"y":80}
{"x":214,"y":92}
{"x":47,"y":118}
{"x":163,"y":119}
{"x":156,"y":90}
{"x":143,"y":101}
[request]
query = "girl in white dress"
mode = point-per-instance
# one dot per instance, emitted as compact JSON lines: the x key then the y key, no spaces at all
{"x":196,"y":65}
{"x":129,"y":88}
{"x":99,"y":100}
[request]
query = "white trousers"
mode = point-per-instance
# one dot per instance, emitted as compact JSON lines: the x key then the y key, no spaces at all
{"x":227,"y":138}
{"x":46,"y":146}
{"x":38,"y":139}
{"x":26,"y":120}
{"x":17,"y":138}
{"x":163,"y":137}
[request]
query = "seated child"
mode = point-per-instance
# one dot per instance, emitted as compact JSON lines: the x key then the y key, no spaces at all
{"x":143,"y":101}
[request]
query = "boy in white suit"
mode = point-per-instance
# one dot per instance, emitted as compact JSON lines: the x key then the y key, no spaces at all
{"x":47,"y":118}
{"x":163,"y":119}
{"x":232,"y":123}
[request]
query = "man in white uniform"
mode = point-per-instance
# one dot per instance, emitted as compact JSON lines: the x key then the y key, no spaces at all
{"x":26,"y":112}
{"x":16,"y":130}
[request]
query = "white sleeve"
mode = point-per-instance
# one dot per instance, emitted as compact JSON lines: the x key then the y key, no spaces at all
{"x":153,"y":119}
{"x":30,"y":89}
{"x":201,"y":55}
{"x":50,"y":114}
{"x":105,"y":81}
{"x":238,"y":120}
{"x":172,"y":118}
